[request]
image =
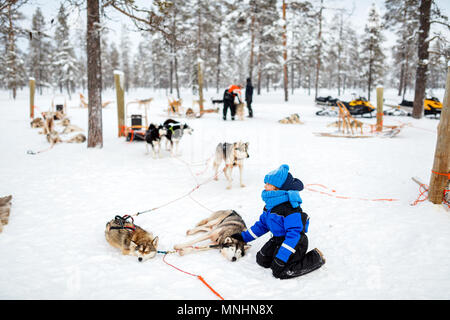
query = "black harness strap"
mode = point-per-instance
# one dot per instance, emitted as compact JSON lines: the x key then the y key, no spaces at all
{"x":121,"y":221}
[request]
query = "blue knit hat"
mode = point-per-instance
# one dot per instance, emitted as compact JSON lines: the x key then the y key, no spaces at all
{"x":283,"y":180}
{"x":277,"y":177}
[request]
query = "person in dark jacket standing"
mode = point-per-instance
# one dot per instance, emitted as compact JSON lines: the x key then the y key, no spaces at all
{"x":249,"y":97}
{"x":229,"y":96}
{"x":286,"y":252}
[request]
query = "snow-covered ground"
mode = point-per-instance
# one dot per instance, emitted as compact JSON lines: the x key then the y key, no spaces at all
{"x":54,"y":245}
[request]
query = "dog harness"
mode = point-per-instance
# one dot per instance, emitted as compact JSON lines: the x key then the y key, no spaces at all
{"x":235,"y":159}
{"x":121,"y":221}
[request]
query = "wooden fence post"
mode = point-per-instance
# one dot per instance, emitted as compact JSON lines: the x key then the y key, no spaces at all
{"x":119,"y":82}
{"x":379,"y":109}
{"x":441,"y":167}
{"x":32,"y":91}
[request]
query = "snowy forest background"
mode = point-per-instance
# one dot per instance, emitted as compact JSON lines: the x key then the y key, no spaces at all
{"x":324,"y":45}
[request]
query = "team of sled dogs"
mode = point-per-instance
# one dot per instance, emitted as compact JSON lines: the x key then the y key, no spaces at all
{"x":48,"y":125}
{"x":134,"y":240}
{"x":131,"y":239}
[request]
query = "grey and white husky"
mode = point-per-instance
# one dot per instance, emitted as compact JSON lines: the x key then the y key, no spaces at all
{"x":233,"y":154}
{"x":219,"y":227}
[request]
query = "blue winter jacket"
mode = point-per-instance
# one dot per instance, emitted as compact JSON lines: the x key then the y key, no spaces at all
{"x":283,"y":220}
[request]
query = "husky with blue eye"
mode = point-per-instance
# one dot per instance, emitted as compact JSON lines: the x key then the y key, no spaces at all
{"x":219,"y":228}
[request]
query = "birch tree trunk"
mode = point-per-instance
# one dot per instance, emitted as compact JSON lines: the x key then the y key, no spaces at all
{"x":94,"y":70}
{"x":422,"y":66}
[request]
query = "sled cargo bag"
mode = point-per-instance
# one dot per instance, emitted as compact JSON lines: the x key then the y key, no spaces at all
{"x":136,"y":121}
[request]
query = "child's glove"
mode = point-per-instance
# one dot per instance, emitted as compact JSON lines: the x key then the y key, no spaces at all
{"x":277,"y":267}
{"x":238,"y":236}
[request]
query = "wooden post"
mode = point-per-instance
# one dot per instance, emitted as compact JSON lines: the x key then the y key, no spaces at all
{"x":379,"y":109}
{"x":32,"y":91}
{"x":441,"y":166}
{"x":118,"y":79}
{"x":200,"y":86}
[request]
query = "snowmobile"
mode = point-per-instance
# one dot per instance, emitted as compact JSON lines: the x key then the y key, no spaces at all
{"x":360,"y":106}
{"x":326,"y":101}
{"x":328,"y":106}
{"x":357,"y":107}
{"x":432,"y":106}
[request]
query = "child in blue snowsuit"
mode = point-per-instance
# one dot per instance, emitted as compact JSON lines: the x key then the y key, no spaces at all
{"x":286,"y":252}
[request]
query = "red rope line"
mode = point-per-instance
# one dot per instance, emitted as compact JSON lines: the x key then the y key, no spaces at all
{"x":341,"y":197}
{"x":194,"y":275}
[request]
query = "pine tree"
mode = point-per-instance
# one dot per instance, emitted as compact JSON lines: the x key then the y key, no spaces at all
{"x":39,"y":52}
{"x":402,"y":18}
{"x":372,"y":54}
{"x":439,"y":58}
{"x":14,"y":74}
{"x":65,"y":63}
{"x":125,"y":57}
{"x":107,"y":70}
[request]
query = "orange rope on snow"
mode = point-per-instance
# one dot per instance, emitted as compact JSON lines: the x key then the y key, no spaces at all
{"x":341,"y":197}
{"x":194,"y":275}
{"x":423,"y":188}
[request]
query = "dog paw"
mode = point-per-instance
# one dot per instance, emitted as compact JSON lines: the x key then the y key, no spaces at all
{"x":242,"y":185}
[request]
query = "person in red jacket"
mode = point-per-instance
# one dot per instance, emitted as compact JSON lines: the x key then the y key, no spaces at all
{"x":228,"y":100}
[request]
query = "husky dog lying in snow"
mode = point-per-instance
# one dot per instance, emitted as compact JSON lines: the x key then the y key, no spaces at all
{"x":5,"y":207}
{"x":233,"y":154}
{"x":219,"y":227}
{"x":130,"y":238}
{"x":37,"y":123}
{"x":79,"y":138}
{"x":293,"y":118}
